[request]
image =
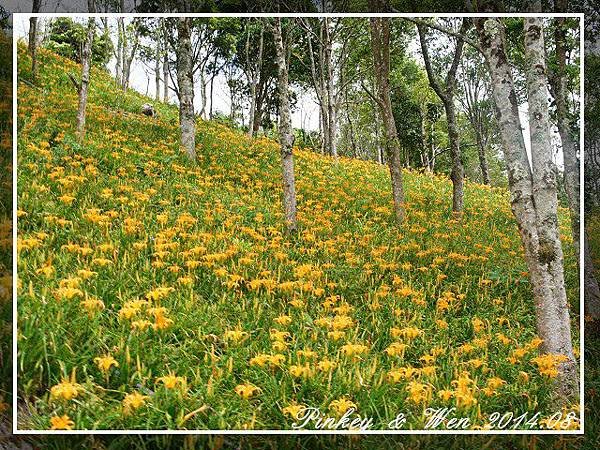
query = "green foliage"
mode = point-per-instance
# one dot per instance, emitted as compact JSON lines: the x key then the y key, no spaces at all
{"x":66,"y":37}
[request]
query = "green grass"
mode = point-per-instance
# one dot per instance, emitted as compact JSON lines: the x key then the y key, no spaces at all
{"x":128,"y":206}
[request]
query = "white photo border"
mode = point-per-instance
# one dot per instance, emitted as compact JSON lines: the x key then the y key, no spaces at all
{"x":580,"y":431}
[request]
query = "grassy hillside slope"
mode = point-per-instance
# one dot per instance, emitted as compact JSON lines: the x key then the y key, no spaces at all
{"x":156,"y":293}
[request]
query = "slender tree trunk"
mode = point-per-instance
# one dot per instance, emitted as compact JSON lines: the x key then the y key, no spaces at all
{"x":157,"y":72}
{"x":322,"y":81}
{"x":119,"y":62}
{"x":458,"y":173}
{"x":446,"y":95}
{"x":351,"y":131}
{"x":211,"y":96}
{"x":483,"y":165}
{"x":254,"y":79}
{"x":185,"y":81}
{"x":260,"y":98}
{"x":125,"y":50}
{"x":86,"y":57}
{"x":533,"y":195}
{"x":286,"y":138}
{"x":203,"y":95}
{"x":165,"y":66}
{"x":32,"y":46}
{"x":318,"y":80}
{"x":328,"y":71}
{"x":33,"y":22}
{"x":380,"y":42}
{"x":128,"y":59}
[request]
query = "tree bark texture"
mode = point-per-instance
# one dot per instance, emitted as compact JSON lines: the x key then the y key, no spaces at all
{"x":286,"y":138}
{"x":446,"y":95}
{"x":380,"y":42}
{"x":187,"y":121}
{"x":86,"y":57}
{"x":533,"y":193}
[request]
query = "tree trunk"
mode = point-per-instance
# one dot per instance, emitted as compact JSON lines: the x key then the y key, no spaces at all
{"x":322,"y":89}
{"x":32,"y":46}
{"x":119,"y":56}
{"x":86,"y":57}
{"x":458,"y":172}
{"x":185,"y":81}
{"x":203,"y":95}
{"x":33,"y":22}
{"x":165,"y":66}
{"x":211,"y":95}
{"x":328,"y":85}
{"x":483,"y":165}
{"x":380,"y":42}
{"x":254,"y":79}
{"x":446,"y":95}
{"x":260,"y":97}
{"x":286,"y":138}
{"x":533,"y":195}
{"x":128,"y":58}
{"x":157,"y":72}
{"x":125,"y":50}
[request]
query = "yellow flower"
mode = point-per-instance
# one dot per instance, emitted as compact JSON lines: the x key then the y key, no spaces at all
{"x":85,"y":274}
{"x":306,"y":353}
{"x":133,"y":401}
{"x":300,"y":371}
{"x":161,"y":322}
{"x":47,"y":270}
{"x":104,"y":363}
{"x":66,"y":390}
{"x":283,"y":320}
{"x":67,"y":199}
{"x":495,"y":382}
{"x":159,"y":293}
{"x":61,"y":423}
{"x":171,"y":381}
{"x":67,"y":292}
{"x":293,"y":410}
{"x":140,"y":325}
{"x":236,"y":335}
{"x":354,"y":349}
{"x":277,"y":335}
{"x":336,"y":335}
{"x":341,"y":322}
{"x":442,"y":324}
{"x":246,"y":390}
{"x":548,"y":364}
{"x":279,"y":346}
{"x":260,"y":360}
{"x":445,"y":394}
{"x":418,"y":392}
{"x":326,"y":365}
{"x":341,"y":405}
{"x":92,"y":304}
{"x":409,"y":333}
{"x":396,"y":349}
{"x":478,"y":324}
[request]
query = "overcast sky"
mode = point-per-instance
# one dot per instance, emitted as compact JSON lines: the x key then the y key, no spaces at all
{"x":305,"y":115}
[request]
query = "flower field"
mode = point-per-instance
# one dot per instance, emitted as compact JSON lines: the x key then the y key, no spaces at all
{"x":154,"y":293}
